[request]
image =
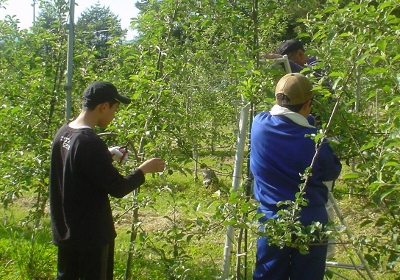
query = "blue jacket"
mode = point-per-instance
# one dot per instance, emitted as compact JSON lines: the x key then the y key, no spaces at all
{"x":296,"y":68}
{"x":281,"y":150}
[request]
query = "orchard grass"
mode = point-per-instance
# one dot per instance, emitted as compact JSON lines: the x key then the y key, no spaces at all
{"x":179,"y":236}
{"x":25,"y":252}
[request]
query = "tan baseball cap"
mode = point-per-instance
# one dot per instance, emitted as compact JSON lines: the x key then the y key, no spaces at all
{"x":296,"y":87}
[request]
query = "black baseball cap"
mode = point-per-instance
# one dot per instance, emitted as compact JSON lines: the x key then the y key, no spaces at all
{"x":100,"y":92}
{"x":290,"y":46}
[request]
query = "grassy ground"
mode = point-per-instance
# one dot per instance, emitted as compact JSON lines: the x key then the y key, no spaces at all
{"x":179,"y":236}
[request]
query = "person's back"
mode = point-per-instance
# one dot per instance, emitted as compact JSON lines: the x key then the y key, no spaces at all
{"x":282,"y":148}
{"x":82,"y":176}
{"x":278,"y":160}
{"x":80,"y":207}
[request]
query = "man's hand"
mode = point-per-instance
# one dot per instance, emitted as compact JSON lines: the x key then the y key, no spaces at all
{"x":119,"y":154}
{"x":271,"y":56}
{"x":153,"y":165}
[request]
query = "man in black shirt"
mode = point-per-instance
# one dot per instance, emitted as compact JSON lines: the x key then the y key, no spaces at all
{"x":81,"y":178}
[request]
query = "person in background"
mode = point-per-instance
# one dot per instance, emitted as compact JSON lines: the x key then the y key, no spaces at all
{"x":297,"y":56}
{"x":294,"y":49}
{"x":281,"y":150}
{"x":82,"y":177}
{"x":298,"y":60}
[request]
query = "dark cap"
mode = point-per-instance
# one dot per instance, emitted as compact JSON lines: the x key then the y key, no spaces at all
{"x":290,"y":46}
{"x":100,"y":92}
{"x":296,"y":87}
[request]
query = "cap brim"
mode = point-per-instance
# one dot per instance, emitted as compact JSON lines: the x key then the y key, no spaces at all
{"x":123,"y":99}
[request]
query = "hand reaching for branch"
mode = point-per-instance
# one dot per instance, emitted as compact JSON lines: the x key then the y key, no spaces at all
{"x":271,"y":56}
{"x":152,"y":165}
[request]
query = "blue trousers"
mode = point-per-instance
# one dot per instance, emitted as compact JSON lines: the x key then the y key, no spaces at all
{"x":274,"y":263}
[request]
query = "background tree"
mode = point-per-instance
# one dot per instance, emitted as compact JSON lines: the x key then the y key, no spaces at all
{"x":364,"y":63}
{"x":32,"y":77}
{"x":98,"y":28}
{"x":51,"y":12}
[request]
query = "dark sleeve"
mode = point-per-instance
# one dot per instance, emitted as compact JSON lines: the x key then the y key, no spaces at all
{"x":296,"y":68}
{"x":329,"y":162}
{"x":95,"y":165}
{"x":312,"y":61}
{"x":320,"y":73}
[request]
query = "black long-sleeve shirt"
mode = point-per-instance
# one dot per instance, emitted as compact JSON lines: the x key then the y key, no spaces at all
{"x":81,"y":178}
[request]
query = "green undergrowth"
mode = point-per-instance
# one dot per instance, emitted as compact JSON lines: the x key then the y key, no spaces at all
{"x":179,"y":235}
{"x":178,"y":238}
{"x":25,"y":252}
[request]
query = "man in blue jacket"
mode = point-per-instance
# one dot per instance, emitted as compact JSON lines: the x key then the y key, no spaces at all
{"x":281,"y":150}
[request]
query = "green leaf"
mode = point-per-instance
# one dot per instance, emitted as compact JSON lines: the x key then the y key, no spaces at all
{"x":390,"y":191}
{"x":381,"y":221}
{"x":384,"y":5}
{"x":393,"y":163}
{"x":382,"y":45}
{"x":397,"y":57}
{"x":330,"y":9}
{"x":351,"y":176}
{"x":337,"y":74}
{"x":377,"y":70}
{"x":303,"y":35}
{"x":366,"y":222}
{"x":367,"y":146}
